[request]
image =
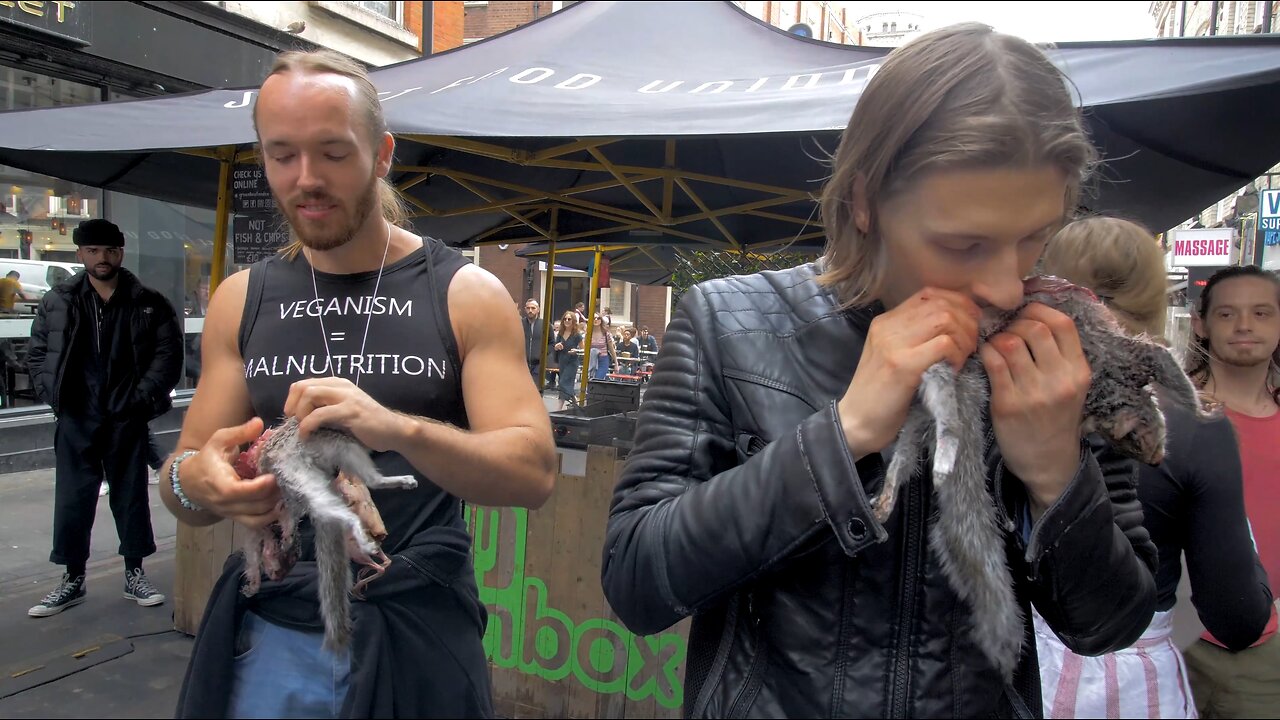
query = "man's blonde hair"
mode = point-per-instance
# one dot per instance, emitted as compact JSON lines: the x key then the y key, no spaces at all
{"x":1121,"y":262}
{"x":963,"y":96}
{"x":368,"y":109}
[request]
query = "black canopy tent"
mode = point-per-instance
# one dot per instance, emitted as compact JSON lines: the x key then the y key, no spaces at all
{"x":641,"y":124}
{"x":689,"y":120}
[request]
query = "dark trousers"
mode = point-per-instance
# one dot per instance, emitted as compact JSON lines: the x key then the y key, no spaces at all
{"x":155,"y":458}
{"x":534,"y":366}
{"x":88,"y":452}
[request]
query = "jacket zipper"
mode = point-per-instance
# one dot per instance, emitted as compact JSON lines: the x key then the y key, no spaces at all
{"x":751,"y":683}
{"x":909,"y":586}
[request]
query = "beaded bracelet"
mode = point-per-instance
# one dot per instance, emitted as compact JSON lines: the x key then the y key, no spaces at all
{"x":177,"y":486}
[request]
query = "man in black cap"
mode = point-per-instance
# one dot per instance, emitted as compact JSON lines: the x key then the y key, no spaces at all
{"x":105,"y":353}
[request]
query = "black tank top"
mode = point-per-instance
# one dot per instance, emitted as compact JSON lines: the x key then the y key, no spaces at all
{"x":409,"y":363}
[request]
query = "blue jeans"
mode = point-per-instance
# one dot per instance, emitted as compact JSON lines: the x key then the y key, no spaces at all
{"x":599,"y":364}
{"x":286,"y":673}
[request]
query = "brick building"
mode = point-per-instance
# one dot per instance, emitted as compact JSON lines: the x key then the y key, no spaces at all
{"x":486,"y":19}
{"x":827,"y":21}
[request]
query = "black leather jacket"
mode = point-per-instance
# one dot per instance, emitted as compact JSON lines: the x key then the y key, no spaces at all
{"x":742,"y":507}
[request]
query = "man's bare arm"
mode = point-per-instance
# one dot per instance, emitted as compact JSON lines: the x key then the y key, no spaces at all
{"x":221,"y":409}
{"x":508,"y":458}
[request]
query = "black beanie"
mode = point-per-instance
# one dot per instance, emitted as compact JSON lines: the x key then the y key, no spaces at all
{"x":98,"y":232}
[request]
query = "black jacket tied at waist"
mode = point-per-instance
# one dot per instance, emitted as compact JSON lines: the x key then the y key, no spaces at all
{"x":416,"y":650}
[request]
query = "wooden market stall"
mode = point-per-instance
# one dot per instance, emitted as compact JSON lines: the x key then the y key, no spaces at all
{"x":554,"y":645}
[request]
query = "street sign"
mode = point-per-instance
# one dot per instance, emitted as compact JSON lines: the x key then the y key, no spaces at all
{"x":1269,"y":216}
{"x":254,"y":237}
{"x":1200,"y":248}
{"x":67,"y":20}
{"x":249,"y":190}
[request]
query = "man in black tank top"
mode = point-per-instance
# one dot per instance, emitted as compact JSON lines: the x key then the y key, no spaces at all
{"x":363,"y":326}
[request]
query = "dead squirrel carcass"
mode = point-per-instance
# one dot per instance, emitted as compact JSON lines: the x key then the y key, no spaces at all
{"x":1121,"y":405}
{"x":327,"y":478}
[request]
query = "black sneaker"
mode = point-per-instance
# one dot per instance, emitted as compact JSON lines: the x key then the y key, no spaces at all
{"x":68,"y":593}
{"x":138,"y":588}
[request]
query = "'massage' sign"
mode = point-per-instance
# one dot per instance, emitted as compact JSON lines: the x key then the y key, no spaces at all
{"x":1198,"y":248}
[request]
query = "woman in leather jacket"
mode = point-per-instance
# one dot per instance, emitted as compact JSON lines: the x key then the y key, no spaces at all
{"x":770,"y":418}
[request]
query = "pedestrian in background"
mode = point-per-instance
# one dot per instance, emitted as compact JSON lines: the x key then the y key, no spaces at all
{"x":1235,"y":360}
{"x":532,"y":337}
{"x":1192,"y":504}
{"x":105,"y":353}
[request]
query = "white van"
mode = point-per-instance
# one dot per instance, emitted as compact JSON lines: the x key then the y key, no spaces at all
{"x":38,"y":276}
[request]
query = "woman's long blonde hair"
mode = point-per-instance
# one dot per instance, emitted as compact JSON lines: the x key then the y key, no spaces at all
{"x":1121,"y":262}
{"x":963,"y":96}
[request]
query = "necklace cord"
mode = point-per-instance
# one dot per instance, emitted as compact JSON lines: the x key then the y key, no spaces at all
{"x":324,"y":334}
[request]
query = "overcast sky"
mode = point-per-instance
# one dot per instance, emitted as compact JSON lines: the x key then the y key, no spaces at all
{"x":1034,"y":21}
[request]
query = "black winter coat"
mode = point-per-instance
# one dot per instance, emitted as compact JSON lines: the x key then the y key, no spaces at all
{"x":151,"y":361}
{"x":742,"y":507}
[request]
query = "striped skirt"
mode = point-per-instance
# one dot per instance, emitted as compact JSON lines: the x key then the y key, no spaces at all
{"x":1145,"y":680}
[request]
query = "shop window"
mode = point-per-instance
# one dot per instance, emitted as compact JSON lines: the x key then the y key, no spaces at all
{"x":168,"y":246}
{"x":393,"y":11}
{"x":171,"y":247}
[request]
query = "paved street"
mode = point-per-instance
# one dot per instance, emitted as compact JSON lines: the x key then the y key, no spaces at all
{"x":135,"y":660}
{"x":143,"y":679}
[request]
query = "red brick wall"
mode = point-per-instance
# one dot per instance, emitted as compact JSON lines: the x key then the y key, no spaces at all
{"x":509,"y":269}
{"x":447,"y":33}
{"x":413,"y":19}
{"x":499,"y":16}
{"x":651,"y":308}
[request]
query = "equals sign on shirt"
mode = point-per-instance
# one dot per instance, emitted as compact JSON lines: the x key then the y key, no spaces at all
{"x":337,"y":336}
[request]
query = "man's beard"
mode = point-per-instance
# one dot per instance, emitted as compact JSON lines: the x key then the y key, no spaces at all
{"x":1244,"y":360}
{"x":104,"y":275}
{"x":329,"y":238}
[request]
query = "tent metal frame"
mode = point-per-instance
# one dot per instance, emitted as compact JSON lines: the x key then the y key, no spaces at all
{"x":533,"y":205}
{"x":533,"y":202}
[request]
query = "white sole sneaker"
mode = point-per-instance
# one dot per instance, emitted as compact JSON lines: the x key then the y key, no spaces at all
{"x":45,"y":611}
{"x":152,"y":601}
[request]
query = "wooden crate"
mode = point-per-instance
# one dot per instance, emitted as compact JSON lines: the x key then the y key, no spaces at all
{"x":554,"y":645}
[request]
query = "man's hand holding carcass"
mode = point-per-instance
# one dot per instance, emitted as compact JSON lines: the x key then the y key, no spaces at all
{"x":1039,"y":381}
{"x":210,"y":480}
{"x":930,"y":327}
{"x":339,"y":404}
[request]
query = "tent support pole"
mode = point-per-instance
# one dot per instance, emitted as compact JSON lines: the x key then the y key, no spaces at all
{"x":222,"y":220}
{"x":668,"y":184}
{"x":592,"y":309}
{"x":547,"y":296}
